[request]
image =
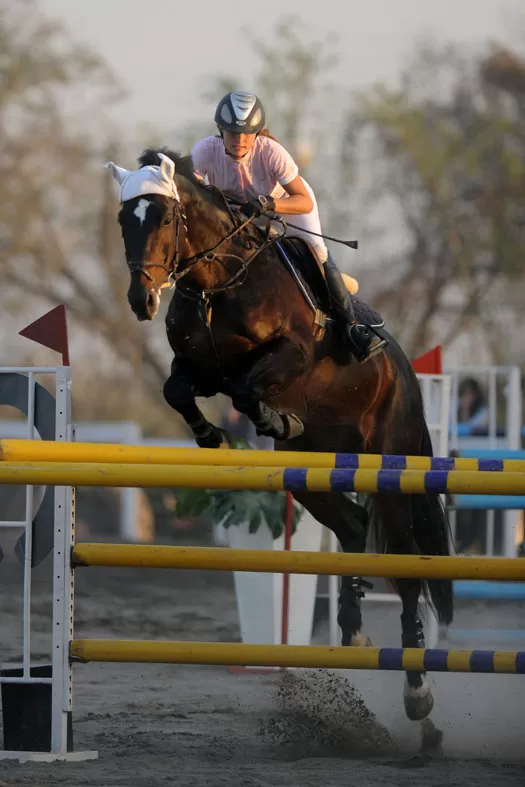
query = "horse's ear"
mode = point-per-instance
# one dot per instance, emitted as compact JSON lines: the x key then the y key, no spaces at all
{"x":167,"y":168}
{"x":118,"y":173}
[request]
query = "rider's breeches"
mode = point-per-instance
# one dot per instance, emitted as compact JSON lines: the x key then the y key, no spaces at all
{"x":309,"y":221}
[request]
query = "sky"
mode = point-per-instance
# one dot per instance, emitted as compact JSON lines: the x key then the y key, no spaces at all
{"x":164,"y":51}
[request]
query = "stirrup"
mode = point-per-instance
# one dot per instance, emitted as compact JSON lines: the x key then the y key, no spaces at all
{"x":377,"y":345}
{"x":361,"y":350}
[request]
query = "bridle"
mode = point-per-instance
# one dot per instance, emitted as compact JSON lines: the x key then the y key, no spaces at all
{"x":169,"y":267}
{"x":172,"y":267}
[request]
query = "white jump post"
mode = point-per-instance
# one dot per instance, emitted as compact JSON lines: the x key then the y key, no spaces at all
{"x":63,"y":587}
{"x":50,"y":330}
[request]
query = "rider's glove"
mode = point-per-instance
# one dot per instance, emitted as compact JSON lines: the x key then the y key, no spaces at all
{"x":259,"y":206}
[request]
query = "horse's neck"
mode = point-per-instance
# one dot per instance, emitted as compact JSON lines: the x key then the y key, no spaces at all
{"x":207,"y":225}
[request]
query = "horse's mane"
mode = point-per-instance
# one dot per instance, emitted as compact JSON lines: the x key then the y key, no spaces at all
{"x":183,"y":164}
{"x":204,"y":196}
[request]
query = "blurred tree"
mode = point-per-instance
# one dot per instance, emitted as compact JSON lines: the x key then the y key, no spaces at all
{"x":444,"y":162}
{"x":213,"y":88}
{"x":296,"y":80}
{"x":293,"y":82}
{"x":59,"y":239}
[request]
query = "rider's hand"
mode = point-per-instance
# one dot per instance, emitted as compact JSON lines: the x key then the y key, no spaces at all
{"x":259,"y":206}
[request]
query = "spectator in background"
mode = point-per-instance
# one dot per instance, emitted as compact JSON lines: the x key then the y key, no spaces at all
{"x":472,"y":406}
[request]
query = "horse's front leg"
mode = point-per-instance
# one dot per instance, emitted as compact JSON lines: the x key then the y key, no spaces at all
{"x":277,"y":365}
{"x":180,"y":391}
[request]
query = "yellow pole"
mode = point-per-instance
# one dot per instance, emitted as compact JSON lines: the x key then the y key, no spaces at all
{"x":48,"y":451}
{"x":298,"y":562}
{"x":313,"y":656}
{"x":261,"y":478}
{"x":223,"y":653}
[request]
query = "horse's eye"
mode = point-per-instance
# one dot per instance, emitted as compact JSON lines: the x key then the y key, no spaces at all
{"x":167,"y":221}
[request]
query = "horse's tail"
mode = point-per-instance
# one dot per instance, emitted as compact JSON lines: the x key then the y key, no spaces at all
{"x":431,"y":531}
{"x":432,"y":536}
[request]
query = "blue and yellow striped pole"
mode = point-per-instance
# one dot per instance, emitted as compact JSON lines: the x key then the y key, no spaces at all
{"x":292,"y":479}
{"x":48,"y":451}
{"x":314,"y":656}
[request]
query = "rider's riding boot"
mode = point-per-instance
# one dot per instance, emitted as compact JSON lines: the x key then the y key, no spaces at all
{"x":363,"y":342}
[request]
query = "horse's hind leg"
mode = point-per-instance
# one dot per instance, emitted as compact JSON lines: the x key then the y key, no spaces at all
{"x":395,"y":512}
{"x":417,"y":693}
{"x":348,"y":521}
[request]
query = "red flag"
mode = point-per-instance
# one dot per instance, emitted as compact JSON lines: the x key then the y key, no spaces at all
{"x":429,"y":363}
{"x":51,"y":331}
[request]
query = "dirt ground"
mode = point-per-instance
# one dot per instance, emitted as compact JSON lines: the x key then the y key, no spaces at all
{"x":157,"y":725}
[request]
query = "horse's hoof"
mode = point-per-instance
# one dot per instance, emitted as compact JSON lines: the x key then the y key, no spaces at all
{"x":213,"y":438}
{"x":295,"y":426}
{"x":418,"y":701}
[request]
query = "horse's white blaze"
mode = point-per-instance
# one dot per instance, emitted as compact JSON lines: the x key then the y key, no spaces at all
{"x":141,"y":210}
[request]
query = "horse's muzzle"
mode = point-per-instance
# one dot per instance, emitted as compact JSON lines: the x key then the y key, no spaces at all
{"x":144,"y":303}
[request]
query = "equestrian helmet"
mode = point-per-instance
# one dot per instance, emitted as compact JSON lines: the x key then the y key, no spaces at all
{"x":240,"y":113}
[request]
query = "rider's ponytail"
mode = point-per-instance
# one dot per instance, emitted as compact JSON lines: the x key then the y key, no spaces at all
{"x":266,"y":133}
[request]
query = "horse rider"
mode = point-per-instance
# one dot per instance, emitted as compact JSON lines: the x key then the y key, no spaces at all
{"x":246,"y":162}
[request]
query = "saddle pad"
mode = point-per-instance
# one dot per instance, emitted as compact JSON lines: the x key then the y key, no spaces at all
{"x":366,"y":314}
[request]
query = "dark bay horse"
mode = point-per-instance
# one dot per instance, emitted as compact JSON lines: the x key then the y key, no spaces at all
{"x":239,"y":324}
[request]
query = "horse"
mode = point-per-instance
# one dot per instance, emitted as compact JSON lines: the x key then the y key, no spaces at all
{"x":242,"y":323}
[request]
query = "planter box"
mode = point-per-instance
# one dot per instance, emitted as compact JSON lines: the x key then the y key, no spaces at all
{"x":259,"y":596}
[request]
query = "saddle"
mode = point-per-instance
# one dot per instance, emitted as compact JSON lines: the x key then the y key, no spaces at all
{"x":308,"y":273}
{"x":309,"y":276}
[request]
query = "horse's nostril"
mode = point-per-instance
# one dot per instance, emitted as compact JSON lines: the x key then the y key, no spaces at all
{"x":152,"y":303}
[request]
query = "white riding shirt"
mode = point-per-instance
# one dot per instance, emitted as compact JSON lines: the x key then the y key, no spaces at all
{"x":264,"y":170}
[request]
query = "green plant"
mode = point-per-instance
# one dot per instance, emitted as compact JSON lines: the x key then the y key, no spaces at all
{"x":236,"y":507}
